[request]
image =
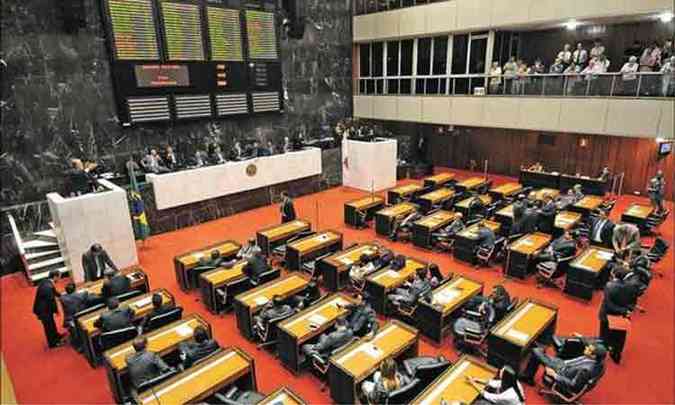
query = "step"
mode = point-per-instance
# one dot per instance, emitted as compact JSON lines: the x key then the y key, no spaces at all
{"x":48,"y":233}
{"x":44,"y":264}
{"x":36,"y":277}
{"x":39,"y":244}
{"x":43,"y":254}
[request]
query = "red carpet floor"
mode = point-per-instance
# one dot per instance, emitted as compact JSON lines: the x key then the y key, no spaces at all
{"x":64,"y":376}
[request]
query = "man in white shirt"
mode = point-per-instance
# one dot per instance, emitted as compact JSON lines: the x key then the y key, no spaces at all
{"x":566,"y":54}
{"x":667,"y":80}
{"x":495,"y":78}
{"x":580,"y":55}
{"x":598,"y":49}
{"x":629,"y":78}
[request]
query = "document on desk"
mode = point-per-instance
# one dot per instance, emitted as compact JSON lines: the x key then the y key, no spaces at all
{"x":346,"y":260}
{"x":198,"y":255}
{"x":317,"y":319}
{"x":525,"y":242}
{"x":261,"y":300}
{"x":391,"y":274}
{"x":371,"y":350}
{"x":518,"y":335}
{"x":605,"y":255}
{"x":141,"y":303}
{"x":447,"y":296}
{"x":184,"y":331}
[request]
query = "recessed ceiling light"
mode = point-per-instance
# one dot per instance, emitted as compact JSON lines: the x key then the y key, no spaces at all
{"x":572,"y":25}
{"x":666,"y":17}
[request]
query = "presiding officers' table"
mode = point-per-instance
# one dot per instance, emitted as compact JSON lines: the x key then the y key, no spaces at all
{"x":140,"y":305}
{"x":588,"y":272}
{"x":385,"y":280}
{"x":230,"y":366}
{"x":435,"y":318}
{"x":519,"y":261}
{"x":452,"y":386}
{"x":282,"y":396}
{"x":637,"y":214}
{"x":436,"y":198}
{"x":403,"y":193}
{"x":505,"y":190}
{"x":355,"y":363}
{"x":309,"y":248}
{"x":423,"y":228}
{"x":384,"y":218}
{"x":366,"y":205}
{"x":512,"y":338}
{"x":275,"y":235}
{"x":335,"y":268}
{"x":163,"y":341}
{"x":439,"y":180}
{"x":306,"y":325}
{"x":247,"y":304}
{"x":540,"y":179}
{"x":466,"y":241}
{"x":184,"y":264}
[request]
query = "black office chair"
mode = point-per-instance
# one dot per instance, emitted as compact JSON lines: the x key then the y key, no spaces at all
{"x":486,"y":255}
{"x":267,"y":336}
{"x":551,"y":273}
{"x":225,"y":299}
{"x":310,"y":266}
{"x":265,"y":277}
{"x":235,"y":396}
{"x":166,"y":318}
{"x":129,"y":295}
{"x":320,"y":363}
{"x":425,"y":368}
{"x":436,"y":273}
{"x":403,"y":395}
{"x":108,"y":340}
{"x":147,"y":384}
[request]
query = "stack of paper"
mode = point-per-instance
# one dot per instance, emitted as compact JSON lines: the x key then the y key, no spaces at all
{"x":141,"y":303}
{"x":184,"y":331}
{"x":605,"y":255}
{"x":518,"y":335}
{"x":317,"y":319}
{"x":261,"y":300}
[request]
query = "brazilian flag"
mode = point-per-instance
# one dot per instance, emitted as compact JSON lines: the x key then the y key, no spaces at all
{"x":140,"y":221}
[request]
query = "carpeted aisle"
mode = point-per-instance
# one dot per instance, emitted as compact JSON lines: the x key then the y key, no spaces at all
{"x":63,"y":376}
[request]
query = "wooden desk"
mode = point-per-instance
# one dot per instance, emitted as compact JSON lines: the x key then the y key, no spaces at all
{"x":282,"y":396}
{"x":423,"y":228}
{"x":518,"y":262}
{"x":435,"y":198}
{"x":505,"y":217}
{"x":273,"y":236}
{"x":471,"y":184}
{"x":505,"y":190}
{"x":228,"y":367}
{"x":565,"y":221}
{"x":247,"y":304}
{"x":358,"y":361}
{"x":511,"y":339}
{"x":637,"y":214}
{"x":436,"y":317}
{"x":306,"y":325}
{"x":588,"y":204}
{"x":163,"y":341}
{"x":541,"y":193}
{"x":185,"y":263}
{"x":335,"y":268}
{"x":306,"y":249}
{"x":135,"y":274}
{"x":439,"y":180}
{"x":398,"y":194}
{"x":384,"y":218}
{"x":383,"y":281}
{"x":452,"y":385}
{"x":466,"y":241}
{"x":141,"y":305}
{"x":464,"y":205}
{"x":232,"y":281}
{"x":588,"y":272}
{"x":368,"y":205}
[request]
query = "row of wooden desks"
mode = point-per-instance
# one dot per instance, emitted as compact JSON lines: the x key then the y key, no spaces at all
{"x":438,"y":197}
{"x":141,"y":306}
{"x":519,"y":260}
{"x":403,"y":193}
{"x":452,"y":386}
{"x":385,"y":218}
{"x":439,"y":180}
{"x":637,"y":214}
{"x":230,"y":282}
{"x":588,"y":272}
{"x":506,"y":190}
{"x":384,"y":281}
{"x":273,"y":236}
{"x":588,"y":204}
{"x":186,"y":263}
{"x":335,"y":268}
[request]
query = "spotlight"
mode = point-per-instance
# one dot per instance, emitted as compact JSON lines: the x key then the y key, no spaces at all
{"x":666,"y":17}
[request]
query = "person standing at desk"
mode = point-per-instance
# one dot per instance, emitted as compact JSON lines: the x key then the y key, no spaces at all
{"x":656,"y":190}
{"x":94,"y":262}
{"x":44,"y":307}
{"x":619,"y":300}
{"x":601,"y":229}
{"x":287,"y":208}
{"x":144,"y":365}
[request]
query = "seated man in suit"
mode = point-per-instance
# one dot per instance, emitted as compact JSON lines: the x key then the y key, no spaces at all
{"x":95,"y":261}
{"x":330,"y":341}
{"x":404,"y":226}
{"x":361,"y":269}
{"x":485,"y":237}
{"x":398,"y":262}
{"x":601,"y":229}
{"x":115,"y":284}
{"x":249,"y":250}
{"x":457,"y":225}
{"x":255,"y":266}
{"x":384,"y":257}
{"x":578,"y":193}
{"x":74,"y":301}
{"x":308,"y":296}
{"x":193,"y":351}
{"x":572,"y":374}
{"x":271,"y":310}
{"x":564,"y":246}
{"x":158,"y":308}
{"x":626,"y":240}
{"x":115,"y":318}
{"x":361,"y":315}
{"x":412,"y":291}
{"x":144,"y":365}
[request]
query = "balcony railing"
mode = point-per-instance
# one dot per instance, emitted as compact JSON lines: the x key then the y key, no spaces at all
{"x":644,"y":84}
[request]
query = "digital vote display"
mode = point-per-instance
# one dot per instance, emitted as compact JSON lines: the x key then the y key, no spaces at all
{"x":190,"y":59}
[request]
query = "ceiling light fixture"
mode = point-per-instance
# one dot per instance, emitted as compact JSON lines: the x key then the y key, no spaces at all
{"x":572,"y":25}
{"x":666,"y":17}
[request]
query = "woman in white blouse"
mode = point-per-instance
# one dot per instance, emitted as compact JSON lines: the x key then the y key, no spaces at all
{"x":505,"y":390}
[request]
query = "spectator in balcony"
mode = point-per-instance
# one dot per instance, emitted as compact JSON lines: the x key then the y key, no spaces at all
{"x":633,"y":50}
{"x":510,"y":73}
{"x":574,"y":79}
{"x":521,"y":77}
{"x":495,"y":78}
{"x":667,"y":50}
{"x":554,"y":85}
{"x":668,"y":77}
{"x":598,"y":49}
{"x":535,"y":85}
{"x":651,"y":58}
{"x":629,"y":77}
{"x":557,"y":67}
{"x":566,"y":55}
{"x":596,"y":67}
{"x":580,"y":55}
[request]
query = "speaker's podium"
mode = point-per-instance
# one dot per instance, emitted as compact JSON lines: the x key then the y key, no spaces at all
{"x":369,"y":165}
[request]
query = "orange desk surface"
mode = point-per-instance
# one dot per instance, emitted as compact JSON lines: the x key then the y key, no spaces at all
{"x":452,"y":385}
{"x":524,"y":325}
{"x":531,"y":243}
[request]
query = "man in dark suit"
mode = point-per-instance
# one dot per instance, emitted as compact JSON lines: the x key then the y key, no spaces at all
{"x":272,"y":310}
{"x":115,"y":318}
{"x":330,"y":341}
{"x":519,"y":208}
{"x":256,"y":265}
{"x":485,"y":236}
{"x":191,"y":352}
{"x":44,"y":307}
{"x":144,"y":365}
{"x":601,"y":229}
{"x":95,"y":261}
{"x":74,"y":301}
{"x":619,"y":299}
{"x":564,"y":246}
{"x":572,"y":374}
{"x":361,"y":315}
{"x":547,"y":214}
{"x":527,"y":223}
{"x":115,"y":284}
{"x":158,"y":308}
{"x":287,"y":208}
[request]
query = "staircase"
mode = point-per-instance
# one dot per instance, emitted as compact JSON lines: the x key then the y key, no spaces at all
{"x":40,"y":253}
